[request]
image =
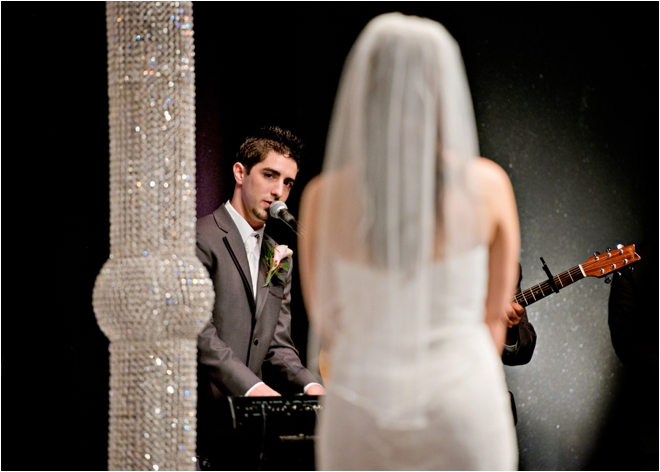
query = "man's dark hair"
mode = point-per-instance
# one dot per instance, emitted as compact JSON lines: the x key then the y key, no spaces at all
{"x":257,"y":145}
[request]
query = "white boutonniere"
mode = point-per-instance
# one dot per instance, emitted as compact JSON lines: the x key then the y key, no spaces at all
{"x":276,"y":260}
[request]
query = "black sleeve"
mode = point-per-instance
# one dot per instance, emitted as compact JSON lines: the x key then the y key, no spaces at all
{"x":632,"y":321}
{"x":526,"y":337}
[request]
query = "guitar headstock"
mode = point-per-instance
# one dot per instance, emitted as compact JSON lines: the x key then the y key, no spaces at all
{"x":599,"y":265}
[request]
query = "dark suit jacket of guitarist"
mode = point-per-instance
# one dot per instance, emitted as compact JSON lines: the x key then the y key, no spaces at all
{"x":244,"y":337}
{"x":526,"y":337}
{"x":526,"y":345}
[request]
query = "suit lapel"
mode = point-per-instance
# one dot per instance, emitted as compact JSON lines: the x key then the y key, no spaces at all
{"x":236,"y":249}
{"x":262,"y":292}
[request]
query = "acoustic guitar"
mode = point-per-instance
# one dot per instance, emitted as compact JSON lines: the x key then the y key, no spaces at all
{"x":599,"y":265}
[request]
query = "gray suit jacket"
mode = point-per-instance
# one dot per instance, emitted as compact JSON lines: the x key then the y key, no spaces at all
{"x":243,"y":336}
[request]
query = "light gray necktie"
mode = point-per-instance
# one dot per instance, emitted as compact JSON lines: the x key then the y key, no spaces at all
{"x":252,"y":249}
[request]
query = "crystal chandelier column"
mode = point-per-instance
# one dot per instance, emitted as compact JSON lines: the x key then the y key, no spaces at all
{"x":153,"y":296}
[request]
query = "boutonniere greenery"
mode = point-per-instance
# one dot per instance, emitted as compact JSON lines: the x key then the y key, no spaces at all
{"x":276,"y":260}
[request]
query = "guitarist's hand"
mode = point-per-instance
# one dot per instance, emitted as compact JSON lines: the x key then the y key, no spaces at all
{"x":514,"y":314}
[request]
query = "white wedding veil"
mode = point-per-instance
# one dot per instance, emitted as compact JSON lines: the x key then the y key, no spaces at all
{"x":395,"y":198}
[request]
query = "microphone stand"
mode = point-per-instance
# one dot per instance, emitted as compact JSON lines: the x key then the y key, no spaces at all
{"x":279,"y":211}
{"x":296,"y":228}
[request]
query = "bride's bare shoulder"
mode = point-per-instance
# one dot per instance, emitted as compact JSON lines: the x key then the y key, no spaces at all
{"x":497,"y":193}
{"x":329,"y":186}
{"x":490,"y":177}
{"x":488,"y":169}
{"x":333,"y":183}
{"x":311,"y":189}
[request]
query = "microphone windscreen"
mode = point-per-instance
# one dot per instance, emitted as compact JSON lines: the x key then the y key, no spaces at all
{"x":276,"y":207}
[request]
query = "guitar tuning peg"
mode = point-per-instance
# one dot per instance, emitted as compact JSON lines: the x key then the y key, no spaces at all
{"x":630,"y":268}
{"x":596,"y":253}
{"x":618,"y":273}
{"x":619,"y":246}
{"x":608,"y":279}
{"x":609,"y":249}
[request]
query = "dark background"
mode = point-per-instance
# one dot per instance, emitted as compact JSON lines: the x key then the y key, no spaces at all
{"x":565,"y":97}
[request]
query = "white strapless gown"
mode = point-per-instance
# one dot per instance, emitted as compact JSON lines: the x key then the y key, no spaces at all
{"x":436,"y":401}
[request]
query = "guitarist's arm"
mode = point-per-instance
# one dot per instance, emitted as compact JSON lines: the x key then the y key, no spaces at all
{"x":520,"y":336}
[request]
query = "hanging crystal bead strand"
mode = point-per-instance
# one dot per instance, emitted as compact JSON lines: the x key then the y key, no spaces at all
{"x":152,"y":296}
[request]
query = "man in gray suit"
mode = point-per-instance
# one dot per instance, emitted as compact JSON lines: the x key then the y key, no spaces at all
{"x":250,"y":330}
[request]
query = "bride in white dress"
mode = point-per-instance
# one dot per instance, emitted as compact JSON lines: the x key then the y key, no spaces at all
{"x":409,"y":259}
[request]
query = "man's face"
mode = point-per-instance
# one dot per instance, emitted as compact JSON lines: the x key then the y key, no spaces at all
{"x":268,"y":181}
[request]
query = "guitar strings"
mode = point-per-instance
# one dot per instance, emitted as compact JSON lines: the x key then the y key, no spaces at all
{"x":540,"y":290}
{"x":536,"y":292}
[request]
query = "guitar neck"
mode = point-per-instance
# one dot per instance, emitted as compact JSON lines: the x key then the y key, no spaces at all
{"x":542,"y":290}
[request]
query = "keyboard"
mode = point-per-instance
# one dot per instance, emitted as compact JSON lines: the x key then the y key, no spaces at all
{"x":296,"y":409}
{"x":265,"y":433}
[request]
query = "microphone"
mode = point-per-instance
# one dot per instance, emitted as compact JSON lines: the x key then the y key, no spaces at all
{"x":279,"y":210}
